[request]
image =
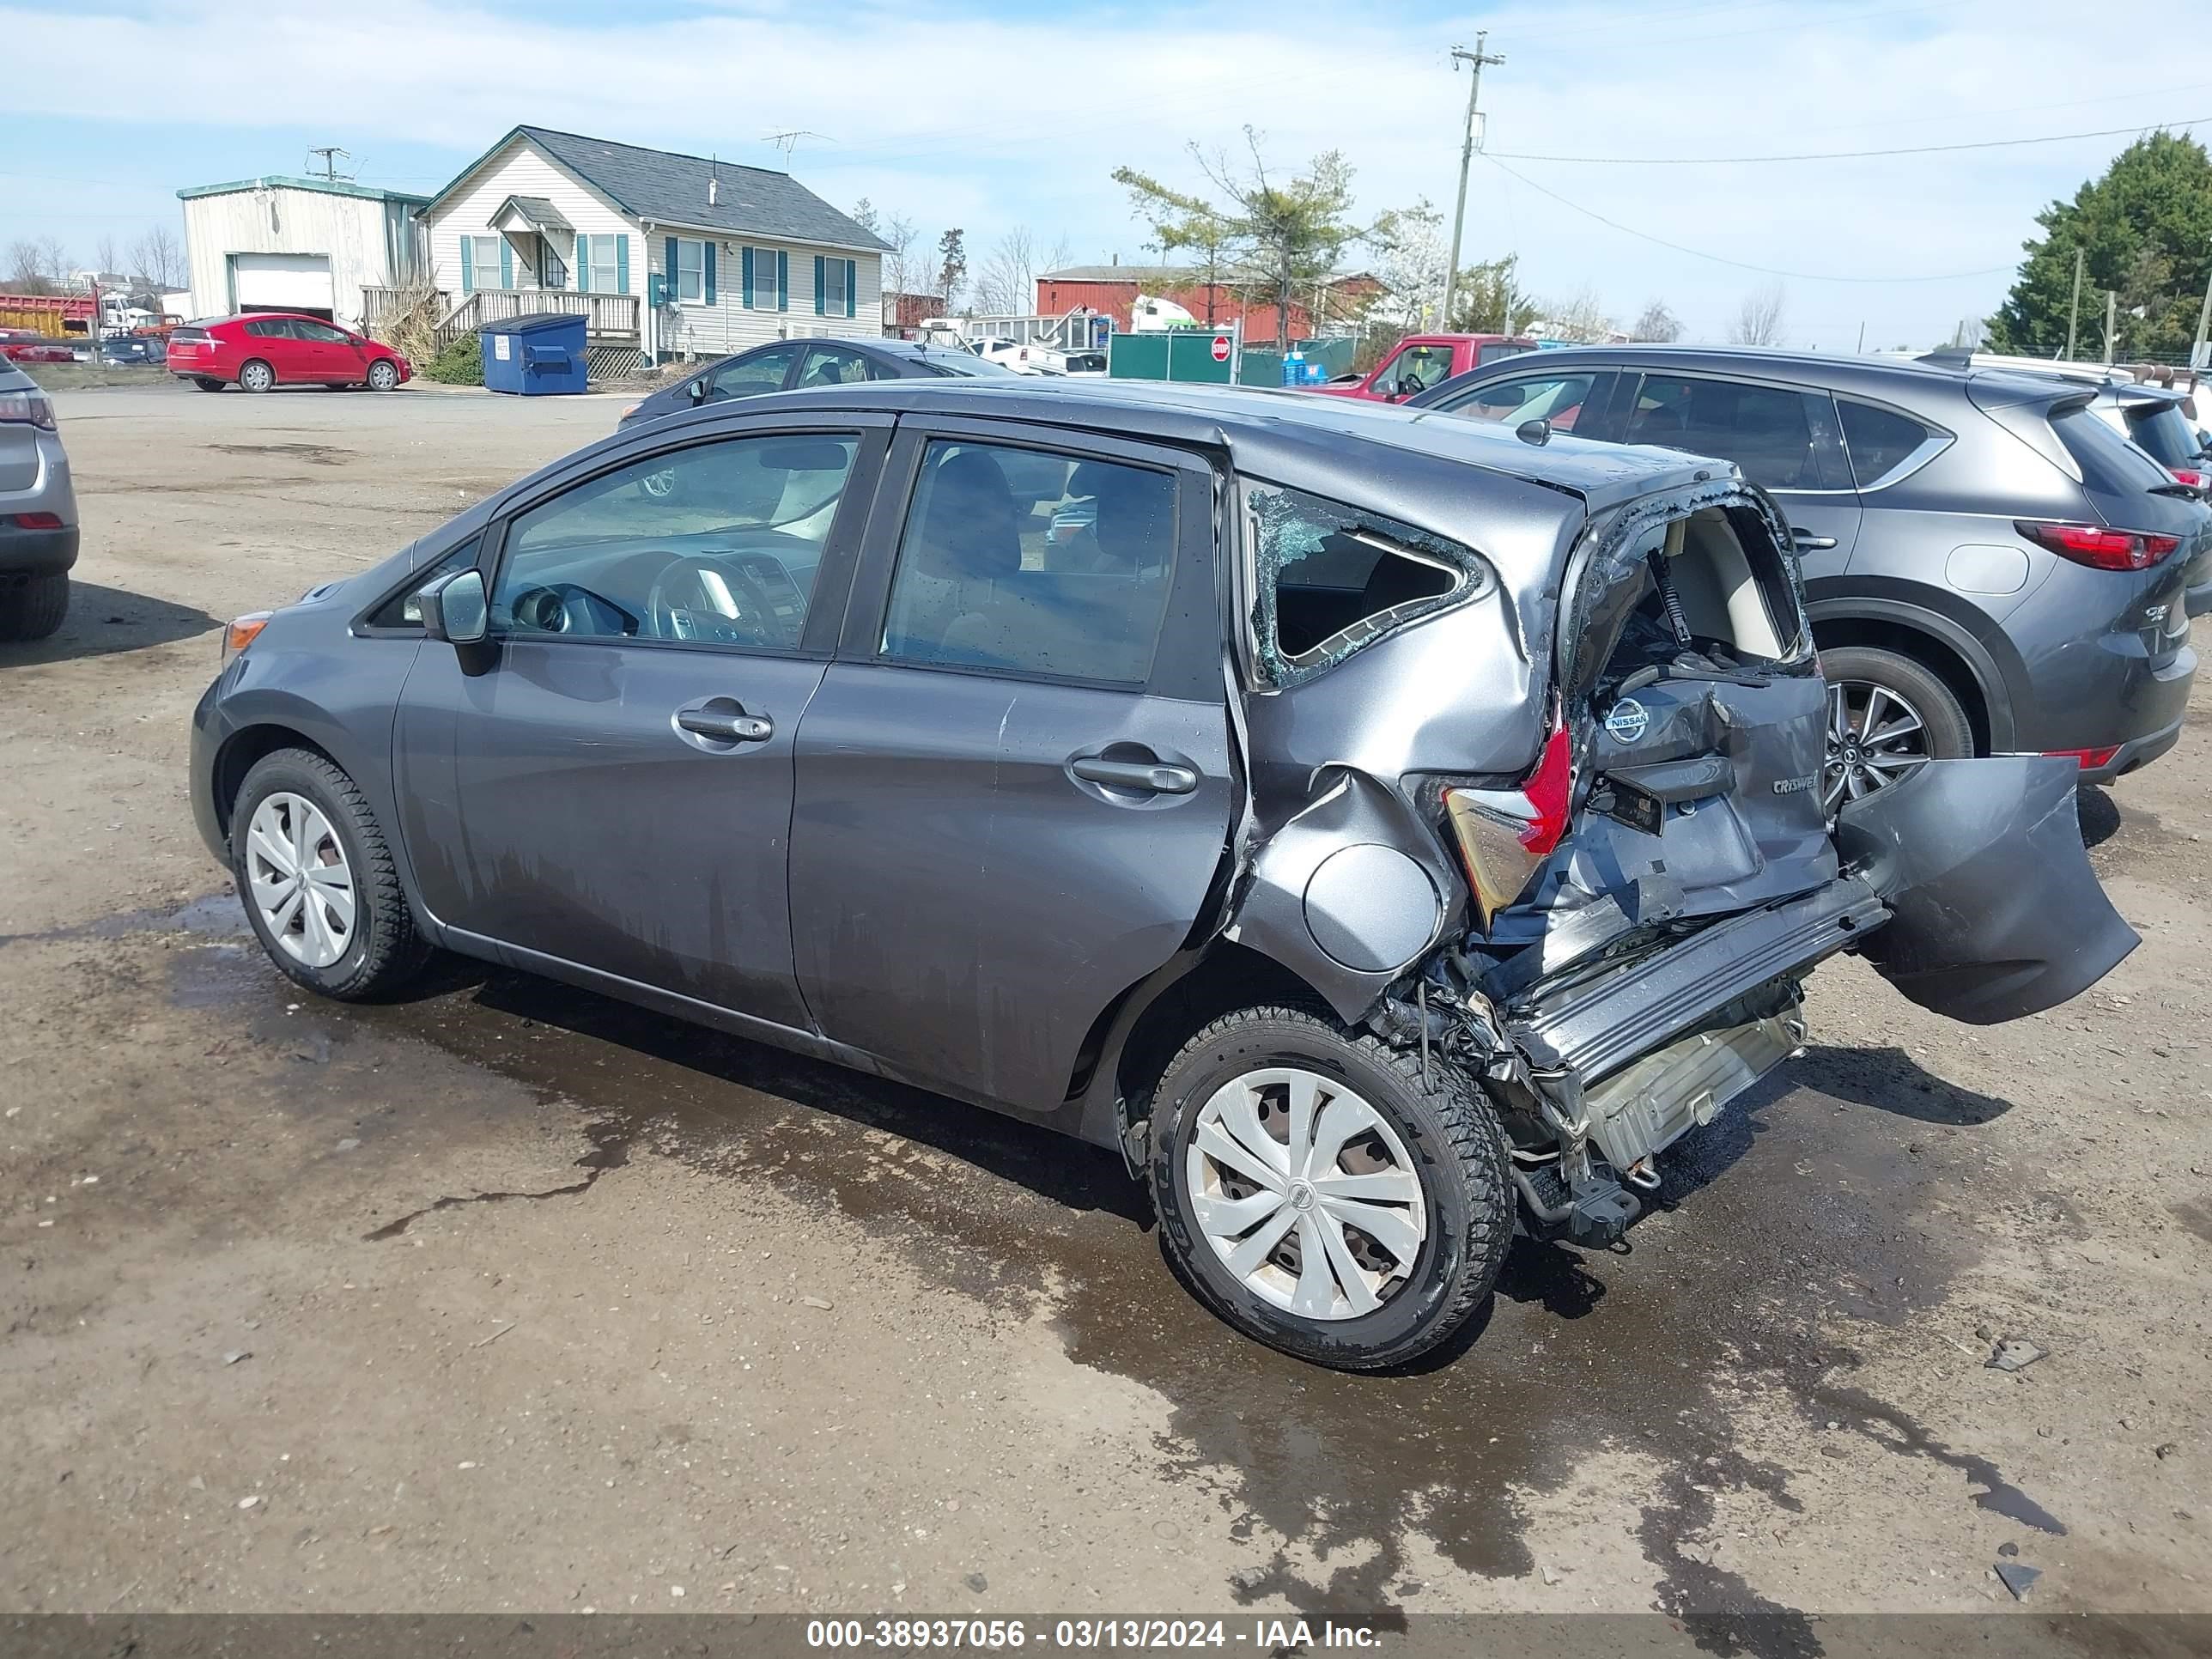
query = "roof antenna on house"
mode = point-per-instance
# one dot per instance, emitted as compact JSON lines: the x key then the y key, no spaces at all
{"x":788,"y":142}
{"x":330,"y":152}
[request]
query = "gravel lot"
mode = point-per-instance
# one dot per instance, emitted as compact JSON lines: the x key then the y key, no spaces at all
{"x":512,"y":1299}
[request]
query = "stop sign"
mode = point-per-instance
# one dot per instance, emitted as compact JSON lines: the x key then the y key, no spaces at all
{"x":1221,"y":348}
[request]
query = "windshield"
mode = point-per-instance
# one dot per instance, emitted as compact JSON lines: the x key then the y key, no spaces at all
{"x":2163,"y":432}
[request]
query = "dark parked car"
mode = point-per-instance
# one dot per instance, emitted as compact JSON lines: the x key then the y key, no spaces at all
{"x":1989,"y":566}
{"x":799,"y":363}
{"x":1379,"y":829}
{"x":126,"y":349}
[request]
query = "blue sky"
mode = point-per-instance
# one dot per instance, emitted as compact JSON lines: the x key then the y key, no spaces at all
{"x":992,"y":116}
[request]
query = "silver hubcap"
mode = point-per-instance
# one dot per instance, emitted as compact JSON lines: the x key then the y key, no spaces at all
{"x":300,"y":880}
{"x":257,"y":377}
{"x":1307,"y":1196}
{"x":1876,"y":737}
{"x":381,"y":376}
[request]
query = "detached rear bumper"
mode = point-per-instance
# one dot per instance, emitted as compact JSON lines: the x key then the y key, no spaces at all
{"x":36,"y":552}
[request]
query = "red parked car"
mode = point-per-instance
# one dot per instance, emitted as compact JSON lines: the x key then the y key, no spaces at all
{"x":20,"y":346}
{"x":267,"y":349}
{"x":1421,"y":361}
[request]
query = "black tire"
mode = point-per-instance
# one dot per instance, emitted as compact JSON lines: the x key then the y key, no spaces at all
{"x":31,"y":607}
{"x":386,"y":953}
{"x":208,"y":383}
{"x":382,"y":376}
{"x":245,"y":376}
{"x":1450,"y":1132}
{"x":1950,"y":734}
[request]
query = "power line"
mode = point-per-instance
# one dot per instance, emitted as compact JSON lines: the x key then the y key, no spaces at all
{"x":1718,"y":259}
{"x":1843,"y":154}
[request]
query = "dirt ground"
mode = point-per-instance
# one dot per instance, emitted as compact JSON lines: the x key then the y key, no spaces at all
{"x":514,"y":1299}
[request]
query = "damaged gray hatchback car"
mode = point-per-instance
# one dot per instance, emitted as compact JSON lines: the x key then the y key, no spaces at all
{"x":1390,"y":835}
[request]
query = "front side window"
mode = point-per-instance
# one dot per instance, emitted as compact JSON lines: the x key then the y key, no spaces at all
{"x":690,"y":269}
{"x":1329,"y":579}
{"x":1415,"y":369}
{"x":717,"y":544}
{"x":1557,"y":399}
{"x":751,"y":374}
{"x":1768,"y":431}
{"x":1034,"y":562}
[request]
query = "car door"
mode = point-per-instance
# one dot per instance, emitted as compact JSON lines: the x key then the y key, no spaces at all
{"x":329,"y":352}
{"x":1782,"y":438}
{"x":608,"y":787}
{"x":1014,"y":789}
{"x":271,"y":339}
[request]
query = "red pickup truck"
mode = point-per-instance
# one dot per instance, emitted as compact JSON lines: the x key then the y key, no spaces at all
{"x":1419,"y":360}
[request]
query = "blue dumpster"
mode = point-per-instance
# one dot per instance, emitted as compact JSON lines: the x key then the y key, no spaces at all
{"x":538,"y":353}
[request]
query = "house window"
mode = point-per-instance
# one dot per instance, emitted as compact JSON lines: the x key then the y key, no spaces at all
{"x":833,"y":287}
{"x":606,"y":271}
{"x":766,"y":293}
{"x":690,"y":269}
{"x":552,"y":269}
{"x":484,"y":255}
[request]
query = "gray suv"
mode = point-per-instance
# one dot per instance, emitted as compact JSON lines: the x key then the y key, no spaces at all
{"x":1388,"y":835}
{"x":38,"y":511}
{"x":1989,"y":566}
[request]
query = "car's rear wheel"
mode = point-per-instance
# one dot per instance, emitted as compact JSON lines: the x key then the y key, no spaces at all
{"x":31,"y":607}
{"x":207,"y":383}
{"x":319,"y":884}
{"x":1888,"y":716}
{"x":382,"y":376}
{"x":256,"y":376}
{"x":1320,"y":1195}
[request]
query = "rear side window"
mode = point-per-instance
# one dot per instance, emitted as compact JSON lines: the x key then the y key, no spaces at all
{"x":2108,"y":461}
{"x":2161,"y":431}
{"x":1878,"y":440}
{"x":1329,"y":579}
{"x":1768,"y":431}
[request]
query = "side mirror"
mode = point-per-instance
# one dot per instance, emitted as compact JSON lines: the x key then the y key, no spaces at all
{"x":698,"y":392}
{"x":456,"y":609}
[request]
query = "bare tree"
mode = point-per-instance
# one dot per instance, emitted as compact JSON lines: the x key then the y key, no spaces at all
{"x":158,"y":258}
{"x":107,"y":255}
{"x":899,"y":271}
{"x":1759,"y":319}
{"x":26,"y":269}
{"x":1006,"y":285}
{"x":1658,"y":323}
{"x":1581,"y":318}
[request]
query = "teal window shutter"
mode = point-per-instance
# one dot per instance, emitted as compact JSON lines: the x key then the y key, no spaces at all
{"x":622,"y":263}
{"x":745,"y":275}
{"x":506,"y":262}
{"x":583,"y":263}
{"x":821,"y":285}
{"x":468,"y":265}
{"x":852,"y":277}
{"x":782,"y":279}
{"x":708,"y":260}
{"x":671,"y":284}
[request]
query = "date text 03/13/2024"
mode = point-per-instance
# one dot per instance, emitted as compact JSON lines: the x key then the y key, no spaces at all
{"x":1276,"y":1635}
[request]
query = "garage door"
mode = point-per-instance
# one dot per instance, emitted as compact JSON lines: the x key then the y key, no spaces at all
{"x":282,"y":282}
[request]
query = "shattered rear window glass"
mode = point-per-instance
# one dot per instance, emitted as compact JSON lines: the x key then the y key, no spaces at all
{"x":1329,"y":578}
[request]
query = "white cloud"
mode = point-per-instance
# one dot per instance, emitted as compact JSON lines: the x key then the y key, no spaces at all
{"x":960,"y":118}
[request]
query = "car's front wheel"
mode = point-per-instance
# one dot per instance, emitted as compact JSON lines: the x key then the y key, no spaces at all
{"x":1321,"y":1195}
{"x":382,"y":376}
{"x":319,"y":880}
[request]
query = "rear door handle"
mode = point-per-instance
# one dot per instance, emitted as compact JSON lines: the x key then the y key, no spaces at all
{"x":725,"y":720}
{"x":1806,"y":540}
{"x":1150,"y":777}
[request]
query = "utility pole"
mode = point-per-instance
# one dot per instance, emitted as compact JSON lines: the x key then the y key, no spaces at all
{"x":2204,"y":318}
{"x":2074,"y":307}
{"x":330,"y":152}
{"x":2112,"y":313}
{"x":1474,"y":60}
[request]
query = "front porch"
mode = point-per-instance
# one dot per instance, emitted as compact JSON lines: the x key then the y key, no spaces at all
{"x":610,"y":324}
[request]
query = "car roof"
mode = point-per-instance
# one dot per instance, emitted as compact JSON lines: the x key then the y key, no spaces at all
{"x":1328,"y":445}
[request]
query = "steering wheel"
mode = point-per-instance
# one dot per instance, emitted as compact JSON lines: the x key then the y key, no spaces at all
{"x":731,"y":606}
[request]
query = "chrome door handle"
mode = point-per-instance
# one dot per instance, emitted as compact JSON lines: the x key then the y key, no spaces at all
{"x":1805,"y":541}
{"x":1154,"y":777}
{"x":725,"y":726}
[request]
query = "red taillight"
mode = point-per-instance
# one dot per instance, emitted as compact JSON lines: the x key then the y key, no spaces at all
{"x":38,"y":521}
{"x":2190,"y":475}
{"x":1505,"y":834}
{"x":2087,"y":759}
{"x":26,"y":408}
{"x":2099,"y":548}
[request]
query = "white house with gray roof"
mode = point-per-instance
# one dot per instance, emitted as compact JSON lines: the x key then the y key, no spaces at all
{"x":672,"y":256}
